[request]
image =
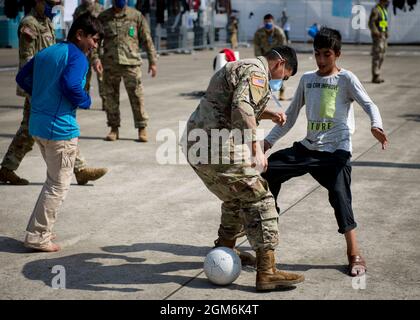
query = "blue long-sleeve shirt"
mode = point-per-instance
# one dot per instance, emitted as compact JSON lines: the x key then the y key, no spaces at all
{"x":55,"y":78}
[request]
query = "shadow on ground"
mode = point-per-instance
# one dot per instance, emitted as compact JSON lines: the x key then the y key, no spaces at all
{"x":95,"y":271}
{"x":193,"y":94}
{"x":385,"y":164}
{"x":411,"y":117}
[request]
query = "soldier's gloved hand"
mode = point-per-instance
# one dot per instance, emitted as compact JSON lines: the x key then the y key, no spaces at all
{"x":279,"y":118}
{"x":153,"y":70}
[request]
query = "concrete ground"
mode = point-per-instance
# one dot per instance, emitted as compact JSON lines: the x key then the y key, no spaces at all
{"x":143,"y":230}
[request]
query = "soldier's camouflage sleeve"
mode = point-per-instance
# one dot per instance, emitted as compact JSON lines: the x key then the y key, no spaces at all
{"x":243,"y":106}
{"x":257,"y":48}
{"x":27,"y":43}
{"x":94,"y":55}
{"x":146,"y":41}
{"x":374,"y":16}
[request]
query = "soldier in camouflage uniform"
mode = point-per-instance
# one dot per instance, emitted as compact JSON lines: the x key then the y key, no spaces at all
{"x":235,"y":101}
{"x":36,"y":32}
{"x":94,"y":8}
{"x":378,"y":25}
{"x":268,"y":37}
{"x":125,"y":29}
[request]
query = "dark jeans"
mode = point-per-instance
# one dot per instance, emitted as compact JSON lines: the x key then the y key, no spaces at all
{"x":331,"y":170}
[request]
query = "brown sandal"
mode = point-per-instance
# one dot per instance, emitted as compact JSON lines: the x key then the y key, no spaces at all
{"x":357,"y":266}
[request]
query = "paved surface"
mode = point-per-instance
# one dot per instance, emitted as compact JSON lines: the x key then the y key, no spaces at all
{"x":143,"y":230}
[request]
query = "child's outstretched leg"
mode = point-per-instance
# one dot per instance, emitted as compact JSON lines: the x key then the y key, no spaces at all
{"x":357,"y":265}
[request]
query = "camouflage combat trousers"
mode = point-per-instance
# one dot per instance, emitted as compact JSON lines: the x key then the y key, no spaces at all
{"x":247,"y":203}
{"x":111,"y":89}
{"x":23,"y":142}
{"x":378,"y":53}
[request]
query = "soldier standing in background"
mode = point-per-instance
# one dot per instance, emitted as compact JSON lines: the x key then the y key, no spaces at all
{"x":36,"y":32}
{"x":268,"y":37}
{"x":125,"y":29}
{"x":233,"y":32}
{"x":94,"y":8}
{"x":378,"y":25}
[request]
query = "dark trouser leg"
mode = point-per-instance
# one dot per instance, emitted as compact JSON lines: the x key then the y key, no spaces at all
{"x":335,"y":175}
{"x":284,"y":165}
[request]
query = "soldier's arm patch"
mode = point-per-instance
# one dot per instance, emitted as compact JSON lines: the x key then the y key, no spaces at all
{"x":258,"y":88}
{"x":258,"y":81}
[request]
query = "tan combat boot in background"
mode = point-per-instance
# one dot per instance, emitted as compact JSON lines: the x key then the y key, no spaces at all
{"x":247,"y":259}
{"x":268,"y":277}
{"x":142,"y":135}
{"x":113,"y":134}
{"x":89,"y":174}
{"x":10,"y":176}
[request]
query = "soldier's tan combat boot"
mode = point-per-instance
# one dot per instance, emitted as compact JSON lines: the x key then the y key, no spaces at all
{"x":10,"y":176}
{"x":113,"y":134}
{"x":142,"y":135}
{"x":268,"y":277}
{"x":247,"y":259}
{"x":89,"y":174}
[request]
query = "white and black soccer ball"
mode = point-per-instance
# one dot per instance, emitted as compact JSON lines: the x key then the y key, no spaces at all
{"x":222,"y":266}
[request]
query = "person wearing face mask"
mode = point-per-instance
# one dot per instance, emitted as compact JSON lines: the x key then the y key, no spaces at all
{"x":55,"y":79}
{"x":378,"y":25}
{"x":36,"y":32}
{"x":94,"y":8}
{"x":268,"y":37}
{"x":234,"y":103}
{"x":125,"y":29}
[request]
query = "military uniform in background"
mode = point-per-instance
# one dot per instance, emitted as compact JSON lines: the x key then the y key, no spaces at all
{"x":378,"y":25}
{"x":94,"y":9}
{"x":233,"y":32}
{"x":265,"y":40}
{"x":35,"y":32}
{"x":124,"y":32}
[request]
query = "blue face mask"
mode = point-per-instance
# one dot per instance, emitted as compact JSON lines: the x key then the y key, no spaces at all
{"x":268,"y":26}
{"x":48,"y":11}
{"x":120,"y":3}
{"x":275,"y":84}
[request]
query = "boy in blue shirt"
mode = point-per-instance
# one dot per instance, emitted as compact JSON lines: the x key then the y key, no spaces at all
{"x":328,"y":94}
{"x":55,"y":79}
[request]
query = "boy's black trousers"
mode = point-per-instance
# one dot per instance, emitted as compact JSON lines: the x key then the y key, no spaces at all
{"x":331,"y":170}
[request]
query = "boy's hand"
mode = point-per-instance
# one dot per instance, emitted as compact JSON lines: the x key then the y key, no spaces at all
{"x":380,"y":135}
{"x":279,"y":118}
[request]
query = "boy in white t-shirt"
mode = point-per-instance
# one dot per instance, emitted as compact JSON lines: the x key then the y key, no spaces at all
{"x":325,"y":152}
